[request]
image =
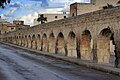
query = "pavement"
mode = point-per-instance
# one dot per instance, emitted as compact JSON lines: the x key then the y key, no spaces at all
{"x":108,"y":68}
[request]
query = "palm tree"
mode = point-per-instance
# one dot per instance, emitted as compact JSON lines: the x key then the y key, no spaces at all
{"x":4,"y":2}
{"x":42,"y":19}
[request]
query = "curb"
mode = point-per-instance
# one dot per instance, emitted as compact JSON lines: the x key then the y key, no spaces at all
{"x":95,"y":66}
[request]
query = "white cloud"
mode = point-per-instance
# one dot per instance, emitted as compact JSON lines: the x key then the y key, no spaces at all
{"x":28,"y":19}
{"x":27,"y":10}
{"x":3,"y":16}
{"x":51,"y":10}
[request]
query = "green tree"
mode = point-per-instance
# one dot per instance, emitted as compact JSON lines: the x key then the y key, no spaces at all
{"x":4,"y":2}
{"x":42,"y":19}
{"x":108,"y":6}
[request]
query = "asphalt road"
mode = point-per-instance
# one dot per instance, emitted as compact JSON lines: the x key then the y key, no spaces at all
{"x":17,"y":64}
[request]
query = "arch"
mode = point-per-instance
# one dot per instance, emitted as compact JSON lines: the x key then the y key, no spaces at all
{"x":85,"y":45}
{"x":26,"y":41}
{"x":38,"y":42}
{"x":103,"y":46}
{"x":44,"y":43}
{"x":51,"y":43}
{"x":60,"y":45}
{"x":29,"y":41}
{"x":34,"y":42}
{"x":71,"y":44}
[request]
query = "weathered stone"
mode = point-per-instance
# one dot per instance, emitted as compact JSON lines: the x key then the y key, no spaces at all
{"x":85,"y":36}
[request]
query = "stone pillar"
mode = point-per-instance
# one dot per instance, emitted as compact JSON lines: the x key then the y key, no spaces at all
{"x":26,"y":43}
{"x":94,"y":51}
{"x":19,"y":42}
{"x":22,"y":42}
{"x":117,"y":54}
{"x":38,"y":44}
{"x":34,"y":44}
{"x":66,"y":51}
{"x":78,"y":48}
{"x":29,"y":43}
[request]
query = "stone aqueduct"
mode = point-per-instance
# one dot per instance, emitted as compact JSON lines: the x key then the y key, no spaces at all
{"x":84,"y":36}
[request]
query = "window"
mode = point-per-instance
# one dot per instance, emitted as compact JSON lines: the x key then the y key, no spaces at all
{"x":12,"y":28}
{"x":64,"y":12}
{"x":55,"y":17}
{"x":64,"y":16}
{"x":72,"y":14}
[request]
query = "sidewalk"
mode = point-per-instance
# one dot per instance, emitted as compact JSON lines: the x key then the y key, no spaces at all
{"x":108,"y":68}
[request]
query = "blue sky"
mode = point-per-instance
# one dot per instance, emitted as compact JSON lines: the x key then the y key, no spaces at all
{"x":27,"y":10}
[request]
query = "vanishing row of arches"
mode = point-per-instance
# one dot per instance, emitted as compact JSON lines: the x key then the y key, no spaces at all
{"x":72,"y":47}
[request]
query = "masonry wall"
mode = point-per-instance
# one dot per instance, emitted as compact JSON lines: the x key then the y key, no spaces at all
{"x":83,"y":8}
{"x":87,"y":33}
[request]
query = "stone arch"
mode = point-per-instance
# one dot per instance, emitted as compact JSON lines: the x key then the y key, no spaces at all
{"x":38,"y":42}
{"x":29,"y":41}
{"x":60,"y":44}
{"x":71,"y":44}
{"x":26,"y":41}
{"x":34,"y":42}
{"x":51,"y":45}
{"x":103,"y":46}
{"x":85,"y":45}
{"x":44,"y":43}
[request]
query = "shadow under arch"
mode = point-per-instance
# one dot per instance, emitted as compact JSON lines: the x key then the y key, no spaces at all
{"x":105,"y":39}
{"x":34,"y":42}
{"x":71,"y":44}
{"x":38,"y":42}
{"x":26,"y":41}
{"x":85,"y":45}
{"x":29,"y":41}
{"x":60,"y":45}
{"x":44,"y":43}
{"x":51,"y":45}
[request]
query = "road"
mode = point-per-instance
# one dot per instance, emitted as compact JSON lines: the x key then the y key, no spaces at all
{"x":17,"y":64}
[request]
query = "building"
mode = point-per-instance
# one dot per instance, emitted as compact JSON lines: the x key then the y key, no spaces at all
{"x":94,"y":5}
{"x":6,"y":26}
{"x":52,"y":17}
{"x":20,"y":24}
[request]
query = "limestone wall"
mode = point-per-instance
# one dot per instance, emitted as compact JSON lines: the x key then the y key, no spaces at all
{"x":86,"y":36}
{"x":82,"y":8}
